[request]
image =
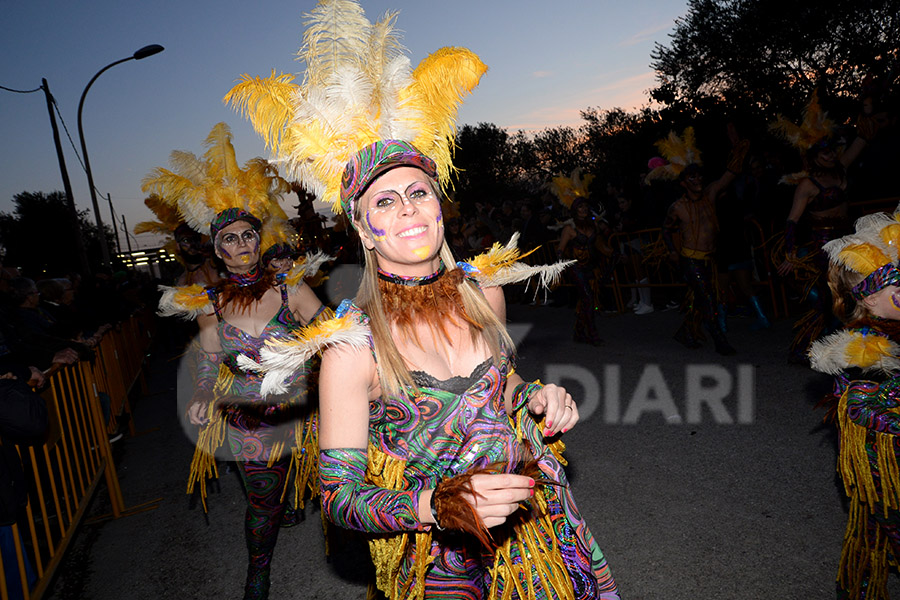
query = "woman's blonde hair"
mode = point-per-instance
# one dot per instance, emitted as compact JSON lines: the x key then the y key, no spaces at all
{"x":841,"y":282}
{"x":393,"y":373}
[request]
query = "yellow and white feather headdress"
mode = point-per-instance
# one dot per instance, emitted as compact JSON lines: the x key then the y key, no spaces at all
{"x":679,"y":152}
{"x":815,"y":126}
{"x":201,"y":188}
{"x":358,"y":88}
{"x":872,"y":251}
{"x":567,"y":189}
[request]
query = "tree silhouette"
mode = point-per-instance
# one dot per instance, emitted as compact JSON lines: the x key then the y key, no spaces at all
{"x":767,"y":56}
{"x":38,"y":237}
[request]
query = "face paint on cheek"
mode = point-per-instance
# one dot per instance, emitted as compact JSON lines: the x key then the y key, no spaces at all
{"x":379,"y":235}
{"x":895,"y":302}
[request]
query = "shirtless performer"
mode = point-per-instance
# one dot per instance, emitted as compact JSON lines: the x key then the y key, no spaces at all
{"x":694,"y":217}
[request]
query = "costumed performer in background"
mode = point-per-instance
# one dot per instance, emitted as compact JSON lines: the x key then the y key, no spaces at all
{"x":269,"y":439}
{"x":429,"y":439}
{"x":864,"y":357}
{"x":693,"y":217}
{"x":821,"y":196}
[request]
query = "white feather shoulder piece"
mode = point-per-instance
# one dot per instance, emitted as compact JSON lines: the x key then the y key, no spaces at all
{"x":281,"y":358}
{"x":187,"y":302}
{"x":501,"y":266}
{"x":852,"y":348}
{"x":308,"y":267}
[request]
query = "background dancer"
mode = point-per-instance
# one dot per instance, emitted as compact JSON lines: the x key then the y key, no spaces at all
{"x":237,"y":316}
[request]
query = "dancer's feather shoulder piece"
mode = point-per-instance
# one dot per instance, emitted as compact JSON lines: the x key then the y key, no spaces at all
{"x":281,"y":358}
{"x":500,"y":266}
{"x":187,"y":302}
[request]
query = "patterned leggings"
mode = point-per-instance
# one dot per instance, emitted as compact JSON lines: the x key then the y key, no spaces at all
{"x":251,"y":445}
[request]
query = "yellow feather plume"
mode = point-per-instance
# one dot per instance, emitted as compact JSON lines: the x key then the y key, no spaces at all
{"x":679,"y":151}
{"x":267,"y":103}
{"x":567,"y":189}
{"x":865,"y":351}
{"x":863,"y":258}
{"x":815,"y":126}
{"x":200,"y":188}
{"x":358,"y":88}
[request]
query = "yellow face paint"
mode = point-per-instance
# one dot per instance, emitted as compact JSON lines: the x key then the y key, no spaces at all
{"x":423,"y":252}
{"x":245,"y":258}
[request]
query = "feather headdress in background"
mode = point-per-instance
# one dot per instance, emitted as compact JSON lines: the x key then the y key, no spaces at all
{"x":359,"y":87}
{"x":815,"y":127}
{"x":201,"y":188}
{"x":567,"y":189}
{"x":679,"y":151}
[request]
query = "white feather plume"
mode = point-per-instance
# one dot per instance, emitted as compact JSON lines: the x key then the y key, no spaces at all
{"x":281,"y":358}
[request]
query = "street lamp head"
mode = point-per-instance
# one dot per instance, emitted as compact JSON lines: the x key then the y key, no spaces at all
{"x":148,"y":51}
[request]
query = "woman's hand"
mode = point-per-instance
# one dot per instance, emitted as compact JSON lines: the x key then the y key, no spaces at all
{"x":196,"y":413}
{"x":498,"y":496}
{"x":556,"y":404}
{"x":786,"y":267}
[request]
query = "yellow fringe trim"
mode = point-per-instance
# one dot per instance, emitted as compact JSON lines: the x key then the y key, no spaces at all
{"x":854,"y":467}
{"x":388,"y":551}
{"x":537,"y":558}
{"x":530,"y":539}
{"x":859,"y":554}
{"x":203,"y":465}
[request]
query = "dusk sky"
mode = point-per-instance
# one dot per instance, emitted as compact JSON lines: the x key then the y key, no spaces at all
{"x":547,"y":61}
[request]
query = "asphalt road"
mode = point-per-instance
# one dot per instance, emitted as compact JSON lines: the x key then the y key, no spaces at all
{"x":701,"y":476}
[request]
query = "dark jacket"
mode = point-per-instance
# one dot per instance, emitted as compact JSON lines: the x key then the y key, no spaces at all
{"x":23,"y":420}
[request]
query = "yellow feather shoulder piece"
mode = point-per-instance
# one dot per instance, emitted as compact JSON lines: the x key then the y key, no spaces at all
{"x":308,"y":266}
{"x":844,"y":349}
{"x":500,"y":266}
{"x":188,"y":302}
{"x":281,"y":358}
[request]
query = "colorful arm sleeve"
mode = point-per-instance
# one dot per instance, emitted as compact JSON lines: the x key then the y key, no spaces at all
{"x":523,"y":391}
{"x":349,"y":502}
{"x":866,"y":408}
{"x":790,"y":236}
{"x":207,"y":373}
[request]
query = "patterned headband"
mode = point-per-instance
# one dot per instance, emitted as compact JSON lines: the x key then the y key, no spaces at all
{"x":229,"y":216}
{"x":373,"y":160}
{"x":877,"y":280}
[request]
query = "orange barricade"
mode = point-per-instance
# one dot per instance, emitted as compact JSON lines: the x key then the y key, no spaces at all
{"x":65,"y":471}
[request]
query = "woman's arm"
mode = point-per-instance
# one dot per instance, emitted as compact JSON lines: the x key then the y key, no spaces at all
{"x":209,"y":357}
{"x":304,"y":303}
{"x":806,"y":191}
{"x":345,"y":378}
{"x":568,"y":233}
{"x":559,"y":410}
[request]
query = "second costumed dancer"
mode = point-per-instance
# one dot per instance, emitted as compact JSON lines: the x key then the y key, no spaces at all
{"x":269,"y":439}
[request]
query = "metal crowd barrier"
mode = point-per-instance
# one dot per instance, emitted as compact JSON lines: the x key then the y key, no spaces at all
{"x":66,"y":470}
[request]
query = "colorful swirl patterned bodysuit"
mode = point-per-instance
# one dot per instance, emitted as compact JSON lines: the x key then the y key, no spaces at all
{"x":256,"y":430}
{"x":448,"y":428}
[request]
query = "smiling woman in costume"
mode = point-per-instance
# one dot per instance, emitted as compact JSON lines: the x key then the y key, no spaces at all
{"x":470,"y":452}
{"x":864,"y":358}
{"x":431,"y":444}
{"x":251,"y":305}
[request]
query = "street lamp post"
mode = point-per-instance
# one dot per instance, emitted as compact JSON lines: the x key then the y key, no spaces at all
{"x":142,"y":53}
